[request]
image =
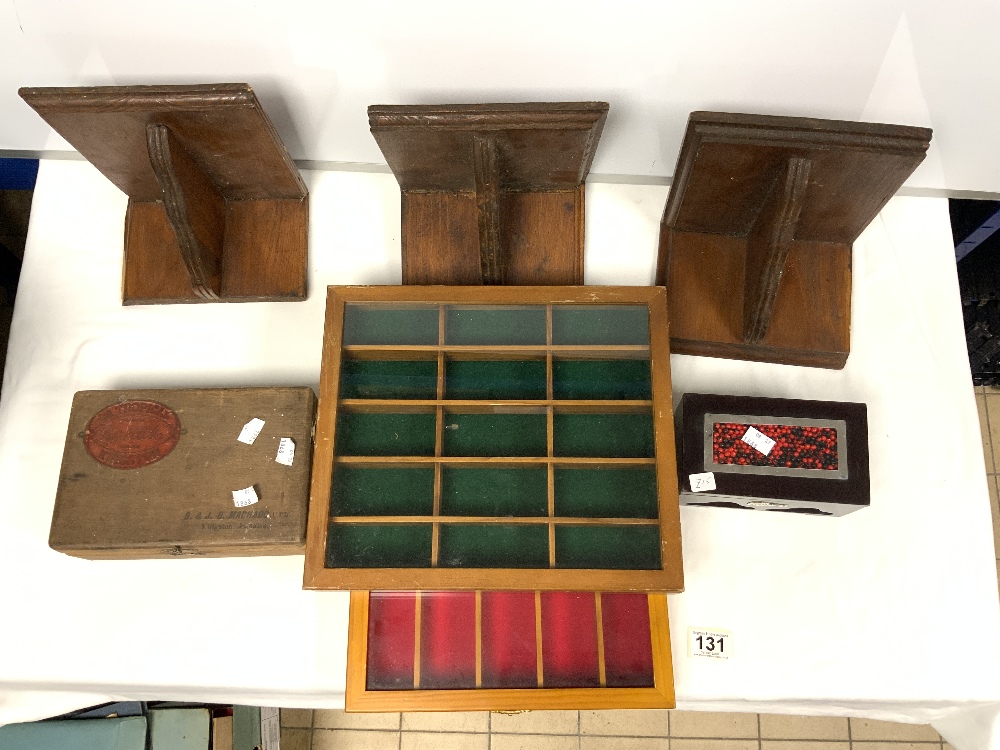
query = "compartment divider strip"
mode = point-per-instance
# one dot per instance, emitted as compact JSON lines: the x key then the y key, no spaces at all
{"x":539,"y":664}
{"x":597,"y":406}
{"x":523,"y":520}
{"x":484,"y":461}
{"x":601,"y":667}
{"x":550,"y":436}
{"x":479,"y":639}
{"x":438,"y":444}
{"x":416,"y":640}
{"x":588,"y":349}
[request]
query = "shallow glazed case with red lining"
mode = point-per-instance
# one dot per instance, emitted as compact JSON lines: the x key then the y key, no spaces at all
{"x":817,"y":465}
{"x":507,"y":650}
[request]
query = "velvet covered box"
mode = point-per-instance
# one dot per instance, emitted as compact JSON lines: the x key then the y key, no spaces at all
{"x":784,"y":455}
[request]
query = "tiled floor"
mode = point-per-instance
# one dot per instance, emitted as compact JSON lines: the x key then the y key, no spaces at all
{"x":631,"y":730}
{"x":595,"y":730}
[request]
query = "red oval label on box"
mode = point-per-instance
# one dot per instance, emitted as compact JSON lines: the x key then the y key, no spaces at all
{"x":132,"y":434}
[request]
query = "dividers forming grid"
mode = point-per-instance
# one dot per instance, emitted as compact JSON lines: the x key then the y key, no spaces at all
{"x":555,"y":410}
{"x":549,"y":639}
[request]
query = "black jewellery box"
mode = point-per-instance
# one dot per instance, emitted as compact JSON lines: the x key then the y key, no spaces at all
{"x":773,"y":454}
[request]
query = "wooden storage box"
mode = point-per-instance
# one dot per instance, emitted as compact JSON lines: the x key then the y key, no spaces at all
{"x":508,"y":651}
{"x":495,"y":438}
{"x":817,"y":465}
{"x":151,"y":473}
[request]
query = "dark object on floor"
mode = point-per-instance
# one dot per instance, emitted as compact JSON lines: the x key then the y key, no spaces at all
{"x":979,"y":284}
{"x":18,"y":174}
{"x":217,"y":210}
{"x":756,"y":198}
{"x":10,"y":272}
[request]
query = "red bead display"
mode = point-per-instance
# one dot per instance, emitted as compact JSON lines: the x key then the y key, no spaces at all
{"x":795,"y":447}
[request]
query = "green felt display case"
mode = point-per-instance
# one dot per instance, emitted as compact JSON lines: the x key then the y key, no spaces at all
{"x":495,"y":438}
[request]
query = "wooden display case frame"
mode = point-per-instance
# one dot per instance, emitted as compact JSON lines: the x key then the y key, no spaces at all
{"x":668,"y":576}
{"x":360,"y":698}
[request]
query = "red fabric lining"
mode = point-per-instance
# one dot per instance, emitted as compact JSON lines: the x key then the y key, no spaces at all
{"x":569,"y":639}
{"x":390,"y":640}
{"x":628,"y":654}
{"x":448,"y":639}
{"x":509,"y":651}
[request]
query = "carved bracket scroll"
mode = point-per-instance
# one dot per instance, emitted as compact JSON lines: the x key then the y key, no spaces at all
{"x":768,"y":245}
{"x":195,"y":208}
{"x":486,"y":157}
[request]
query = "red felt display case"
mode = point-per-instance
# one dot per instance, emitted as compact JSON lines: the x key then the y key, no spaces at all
{"x":507,"y":650}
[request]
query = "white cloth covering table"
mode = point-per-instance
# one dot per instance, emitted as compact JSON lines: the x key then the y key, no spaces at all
{"x":890,"y":612}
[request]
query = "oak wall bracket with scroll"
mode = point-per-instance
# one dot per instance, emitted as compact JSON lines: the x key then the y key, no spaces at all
{"x":217,"y":210}
{"x":756,"y":236}
{"x":491,"y":193}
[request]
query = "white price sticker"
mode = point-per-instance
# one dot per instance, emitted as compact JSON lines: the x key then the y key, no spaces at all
{"x":270,"y":734}
{"x":715,"y":644}
{"x":286,"y":451}
{"x":758,"y":441}
{"x":243,"y":498}
{"x":251,"y":430}
{"x":702,"y":482}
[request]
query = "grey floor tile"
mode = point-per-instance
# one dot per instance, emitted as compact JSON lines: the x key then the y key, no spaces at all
{"x":354,"y":739}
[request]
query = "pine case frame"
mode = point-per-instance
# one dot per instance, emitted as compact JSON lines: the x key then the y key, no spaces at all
{"x":668,"y":577}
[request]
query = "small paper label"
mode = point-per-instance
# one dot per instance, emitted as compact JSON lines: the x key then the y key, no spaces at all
{"x":715,"y":644}
{"x":270,"y":734}
{"x":702,"y":482}
{"x":286,"y":451}
{"x":758,"y":440}
{"x":243,"y":498}
{"x":764,"y":504}
{"x":251,"y":430}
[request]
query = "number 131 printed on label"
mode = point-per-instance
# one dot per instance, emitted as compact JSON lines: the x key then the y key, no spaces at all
{"x":716,"y":644}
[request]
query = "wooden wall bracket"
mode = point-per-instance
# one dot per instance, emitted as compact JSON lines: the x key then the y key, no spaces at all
{"x":217,"y":210}
{"x":756,"y":235}
{"x":491,"y":193}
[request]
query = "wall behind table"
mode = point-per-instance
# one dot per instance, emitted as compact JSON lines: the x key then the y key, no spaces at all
{"x":317,"y":65}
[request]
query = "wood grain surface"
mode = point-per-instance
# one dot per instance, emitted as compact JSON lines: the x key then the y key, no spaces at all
{"x":755,"y":248}
{"x":182,"y":504}
{"x":491,"y":193}
{"x":217,"y":209}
